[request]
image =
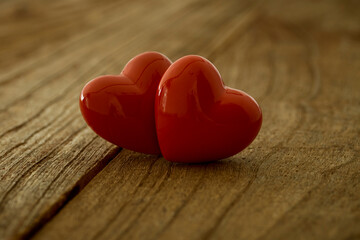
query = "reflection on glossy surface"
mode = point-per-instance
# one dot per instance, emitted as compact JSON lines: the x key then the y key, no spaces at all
{"x":120,"y":108}
{"x":198,"y":119}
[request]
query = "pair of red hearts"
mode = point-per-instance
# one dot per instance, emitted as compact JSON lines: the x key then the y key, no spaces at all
{"x":181,"y":109}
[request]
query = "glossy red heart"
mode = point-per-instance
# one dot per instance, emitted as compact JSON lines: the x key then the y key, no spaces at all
{"x":198,"y":119}
{"x":120,"y":108}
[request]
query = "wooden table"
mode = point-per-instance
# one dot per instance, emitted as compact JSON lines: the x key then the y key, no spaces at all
{"x":300,"y":178}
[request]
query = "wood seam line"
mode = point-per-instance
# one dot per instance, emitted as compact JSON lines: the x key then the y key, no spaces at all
{"x":68,"y":196}
{"x":250,"y":18}
{"x":32,"y":167}
{"x":61,"y":171}
{"x":52,"y":102}
{"x":76,"y":189}
{"x":73,"y":192}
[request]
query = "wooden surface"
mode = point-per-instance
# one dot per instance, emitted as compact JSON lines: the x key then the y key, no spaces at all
{"x":300,"y":179}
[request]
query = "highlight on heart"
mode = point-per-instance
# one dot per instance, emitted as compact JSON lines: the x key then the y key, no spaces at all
{"x":181,"y":110}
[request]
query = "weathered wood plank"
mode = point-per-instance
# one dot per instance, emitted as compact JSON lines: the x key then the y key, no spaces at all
{"x":300,"y":179}
{"x":47,"y":153}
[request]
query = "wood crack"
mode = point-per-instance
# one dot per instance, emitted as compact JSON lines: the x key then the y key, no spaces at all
{"x":34,"y":166}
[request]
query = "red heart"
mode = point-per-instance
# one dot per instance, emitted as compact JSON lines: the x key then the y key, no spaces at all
{"x":120,"y":108}
{"x":198,"y":119}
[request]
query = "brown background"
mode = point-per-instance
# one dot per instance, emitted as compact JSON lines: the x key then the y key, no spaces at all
{"x":300,"y":179}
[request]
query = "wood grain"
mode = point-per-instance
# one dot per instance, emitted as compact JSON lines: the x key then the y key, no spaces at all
{"x":300,"y":179}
